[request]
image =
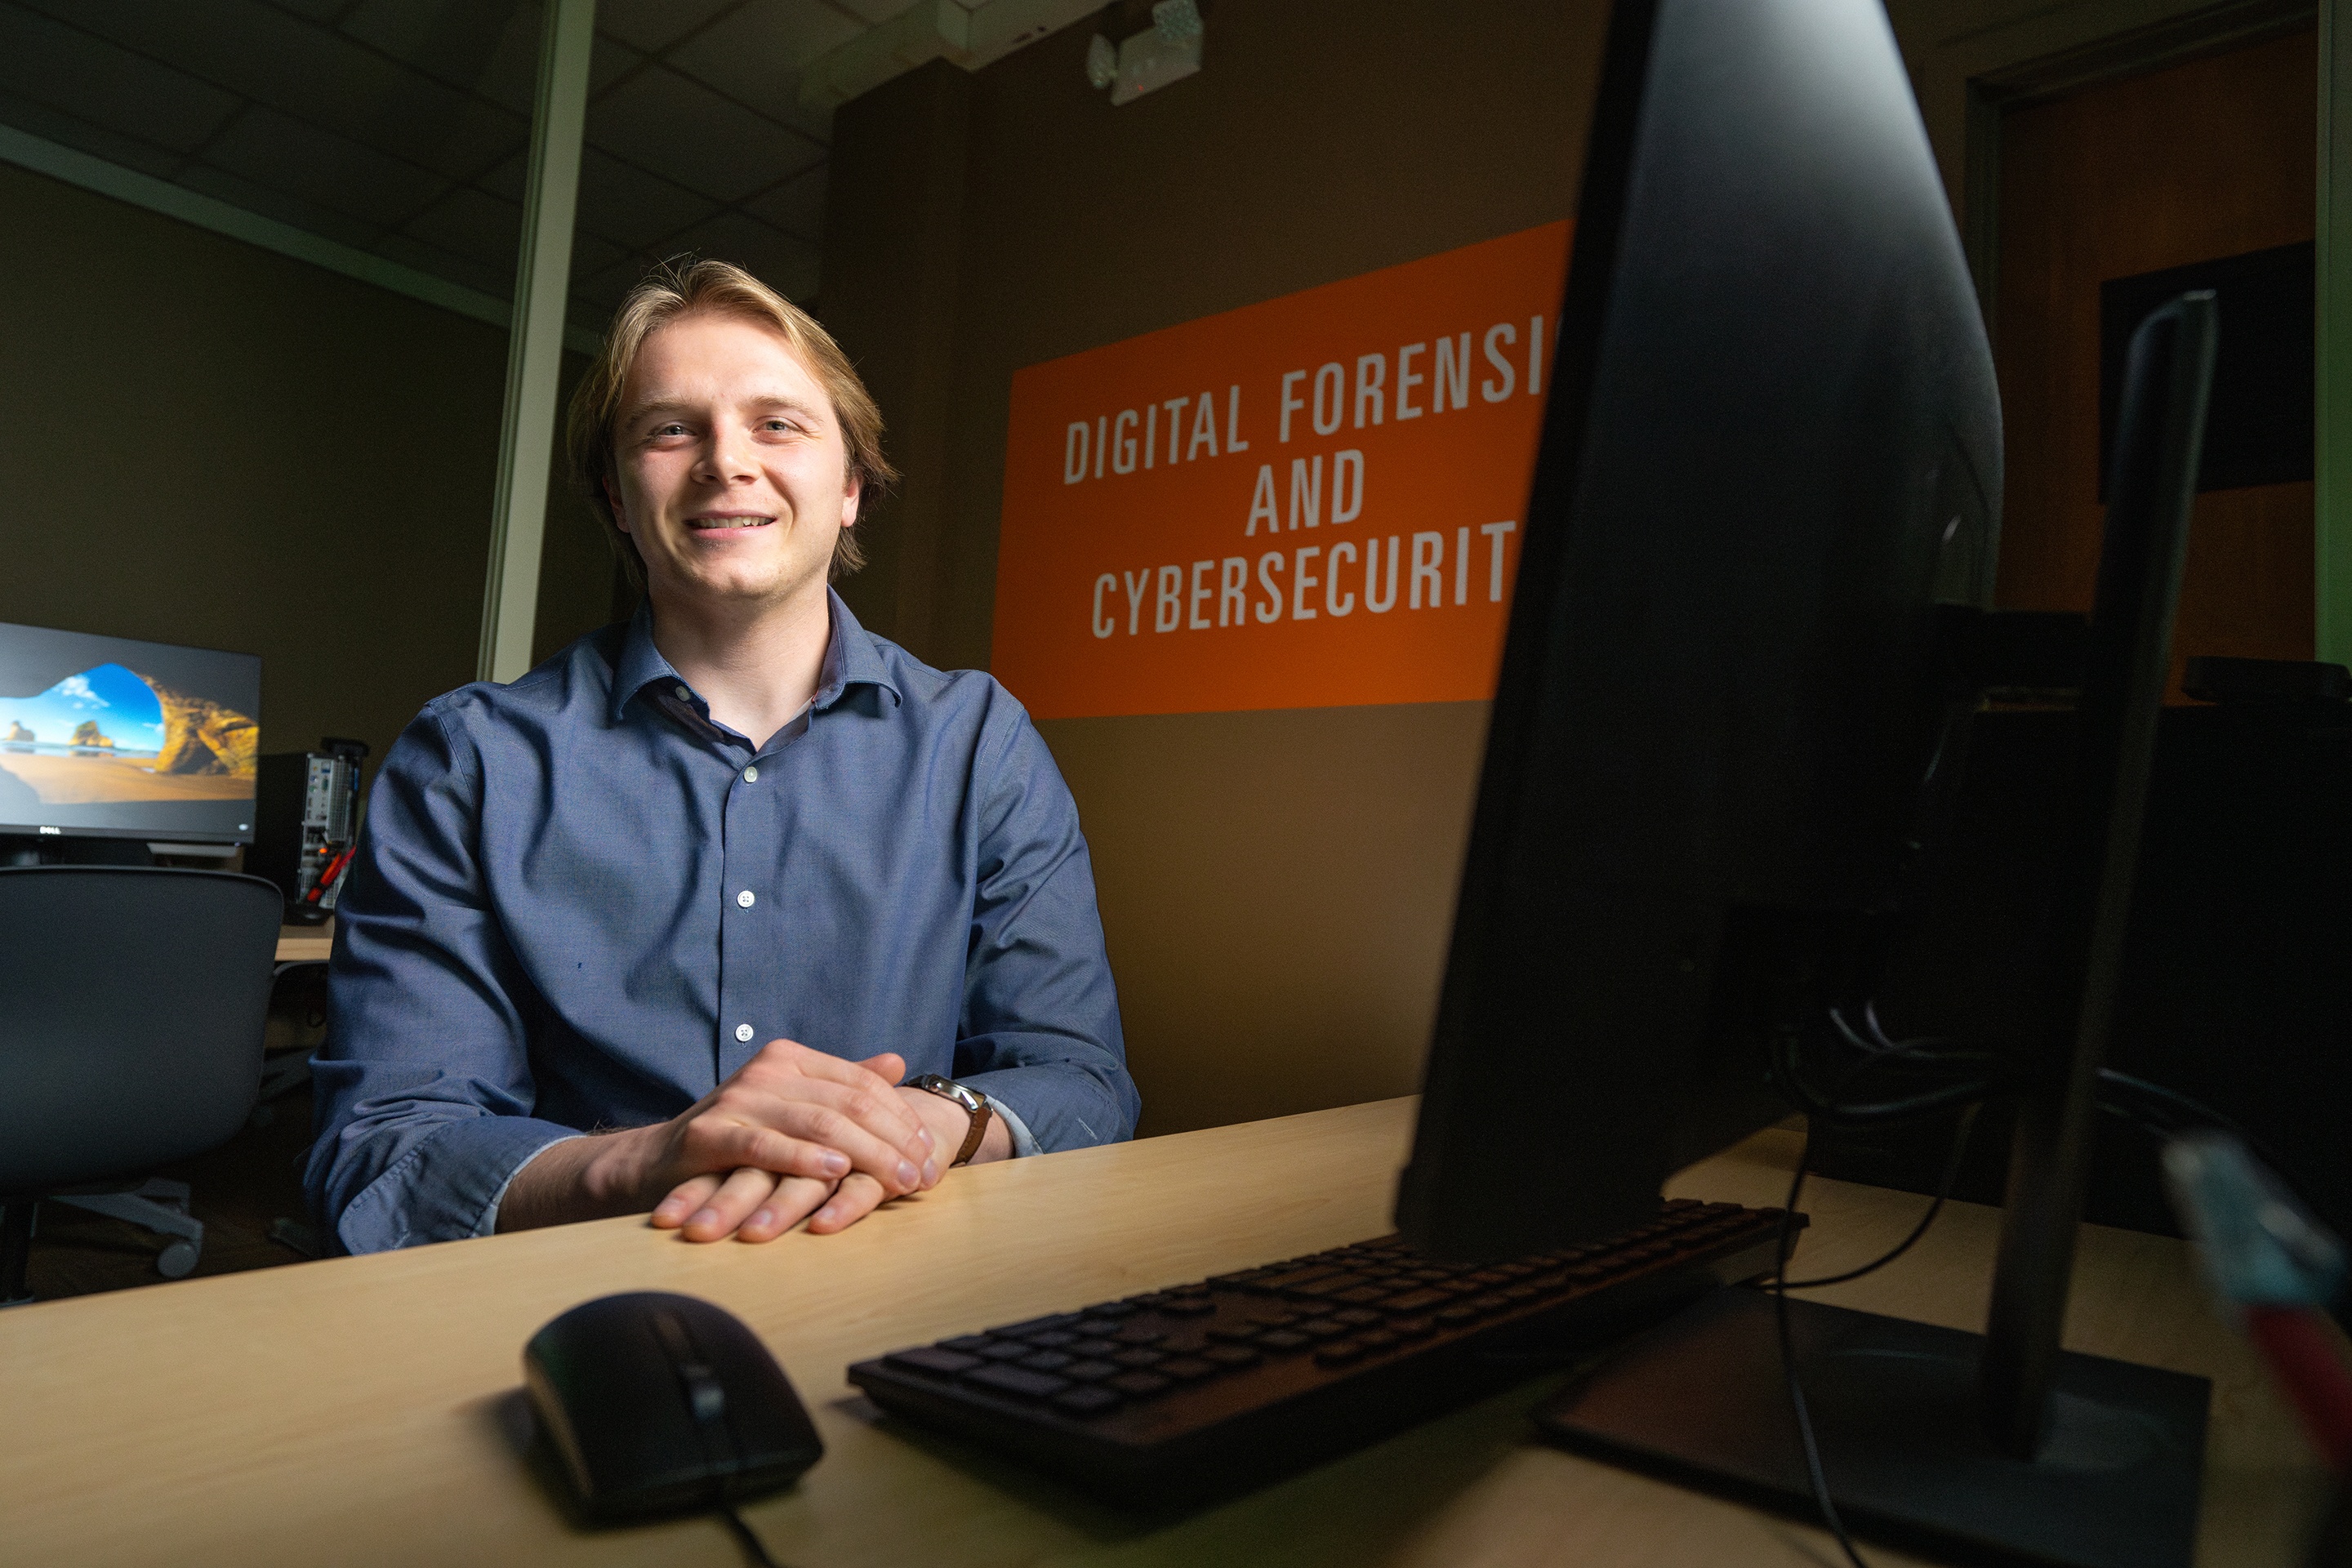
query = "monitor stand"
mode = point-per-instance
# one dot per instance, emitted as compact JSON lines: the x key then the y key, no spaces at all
{"x":1999,"y":1446}
{"x":24,"y":849}
{"x":1701,"y":1400}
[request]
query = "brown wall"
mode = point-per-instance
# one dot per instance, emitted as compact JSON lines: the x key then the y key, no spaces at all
{"x":202,"y":442}
{"x":1276,"y":886}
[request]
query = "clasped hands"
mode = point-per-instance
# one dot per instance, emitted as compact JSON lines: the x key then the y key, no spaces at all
{"x":794,"y":1134}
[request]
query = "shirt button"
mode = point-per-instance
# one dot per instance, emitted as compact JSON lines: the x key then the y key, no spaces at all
{"x":751,"y":775}
{"x":745,"y":898}
{"x":684,"y":695}
{"x":743,"y":1033}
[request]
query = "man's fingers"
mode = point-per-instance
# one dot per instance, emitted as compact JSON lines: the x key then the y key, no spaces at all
{"x":857,"y":1196}
{"x":731,"y":1206}
{"x":686,"y":1198}
{"x":795,"y":1197}
{"x":890,"y":1067}
{"x":831,"y":1117}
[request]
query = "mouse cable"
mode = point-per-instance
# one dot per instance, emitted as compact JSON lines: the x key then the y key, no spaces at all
{"x":1789,"y":1363}
{"x":755,"y":1554}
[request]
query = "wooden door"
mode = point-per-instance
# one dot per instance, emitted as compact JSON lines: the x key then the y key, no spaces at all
{"x":2210,"y":159}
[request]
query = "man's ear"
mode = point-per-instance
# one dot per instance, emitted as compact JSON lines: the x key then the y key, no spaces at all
{"x":613,"y":499}
{"x":850,"y":495}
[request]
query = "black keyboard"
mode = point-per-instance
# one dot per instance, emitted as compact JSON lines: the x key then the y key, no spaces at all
{"x":1178,"y":1395}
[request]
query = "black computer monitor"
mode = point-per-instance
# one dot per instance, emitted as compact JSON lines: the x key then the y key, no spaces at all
{"x":1729,"y":718}
{"x":113,"y":739}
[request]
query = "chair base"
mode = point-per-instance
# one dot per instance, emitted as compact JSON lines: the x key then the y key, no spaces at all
{"x":158,"y":1205}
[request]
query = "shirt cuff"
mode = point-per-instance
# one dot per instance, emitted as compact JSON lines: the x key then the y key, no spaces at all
{"x":1024,"y":1143}
{"x":448,"y":1186}
{"x":489,"y":1224}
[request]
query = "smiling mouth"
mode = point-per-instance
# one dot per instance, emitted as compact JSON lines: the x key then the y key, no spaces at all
{"x":720,"y":524}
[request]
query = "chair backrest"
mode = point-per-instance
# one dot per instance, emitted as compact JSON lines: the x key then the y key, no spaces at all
{"x":133,"y":1003}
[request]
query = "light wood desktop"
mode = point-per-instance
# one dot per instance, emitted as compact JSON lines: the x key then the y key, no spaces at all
{"x":365,"y":1410}
{"x":306,"y":944}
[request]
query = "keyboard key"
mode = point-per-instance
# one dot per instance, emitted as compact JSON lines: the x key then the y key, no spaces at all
{"x":1294,"y":1279}
{"x":1456,"y":1317}
{"x":1416,"y":1301}
{"x":944,"y":1362}
{"x":1140,"y":1384}
{"x":1152,"y":1301}
{"x":1283,"y":1339}
{"x":1094,"y":1347}
{"x":1412,"y":1328}
{"x":1229,"y":1355}
{"x":967,"y":1344}
{"x":1189,"y":1307}
{"x":1188,"y":1369}
{"x":1188,"y":1290}
{"x":1086,"y":1401}
{"x":1236,"y":1333}
{"x":1137,"y":1334}
{"x":1323,"y":1329}
{"x":1012,"y":1379}
{"x":1274,"y":1319}
{"x":1046,"y":1361}
{"x":1376,"y":1339}
{"x":1520,"y":1293}
{"x":1035,"y":1325}
{"x":1108,"y":1312}
{"x":1357,"y":1318}
{"x":1339,"y":1353}
{"x":1052,"y":1339}
{"x":1006,"y":1349}
{"x":1362,"y":1294}
{"x":1139,"y":1357}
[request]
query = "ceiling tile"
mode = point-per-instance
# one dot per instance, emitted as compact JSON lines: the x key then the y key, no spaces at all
{"x":309,"y":216}
{"x":877,"y":10}
{"x":491,"y":48}
{"x":473,"y":224}
{"x":755,"y":55}
{"x":678,"y":128}
{"x":655,"y":24}
{"x":285,"y":154}
{"x":796,"y":206}
{"x":311,"y":73}
{"x":412,"y":252}
{"x":785,"y":264}
{"x":41,"y":119}
{"x":591,"y":256}
{"x":617,"y":201}
{"x":101,"y":84}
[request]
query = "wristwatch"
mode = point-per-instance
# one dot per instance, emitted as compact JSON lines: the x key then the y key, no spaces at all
{"x":975,"y":1104}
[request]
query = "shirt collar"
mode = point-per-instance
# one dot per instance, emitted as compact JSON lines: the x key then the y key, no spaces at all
{"x":851,"y":658}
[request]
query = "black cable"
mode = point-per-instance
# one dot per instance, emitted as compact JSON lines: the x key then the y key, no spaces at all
{"x":1788,"y":1361}
{"x":1942,"y":1190}
{"x":753,"y":1553}
{"x":1817,"y":1106}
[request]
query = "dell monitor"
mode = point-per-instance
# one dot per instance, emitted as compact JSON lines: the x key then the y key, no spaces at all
{"x":108,"y":738}
{"x":1764,"y":519}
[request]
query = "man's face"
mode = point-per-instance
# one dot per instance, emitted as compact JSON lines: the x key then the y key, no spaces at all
{"x":731,"y":468}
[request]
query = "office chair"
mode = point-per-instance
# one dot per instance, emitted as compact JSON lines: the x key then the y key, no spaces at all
{"x":133,"y":1002}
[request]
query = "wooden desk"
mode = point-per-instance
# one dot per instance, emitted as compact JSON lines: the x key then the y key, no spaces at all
{"x":362,"y":1410}
{"x":306,"y":944}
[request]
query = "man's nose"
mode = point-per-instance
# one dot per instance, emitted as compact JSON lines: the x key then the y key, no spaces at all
{"x":727,"y":456}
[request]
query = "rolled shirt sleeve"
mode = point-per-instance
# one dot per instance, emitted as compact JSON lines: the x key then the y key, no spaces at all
{"x":1040,"y":1031}
{"x":425,"y":1097}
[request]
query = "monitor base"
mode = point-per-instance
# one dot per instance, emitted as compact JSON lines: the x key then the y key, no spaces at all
{"x":1701,"y":1400}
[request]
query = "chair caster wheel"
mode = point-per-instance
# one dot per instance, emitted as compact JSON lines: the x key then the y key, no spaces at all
{"x":176,"y":1261}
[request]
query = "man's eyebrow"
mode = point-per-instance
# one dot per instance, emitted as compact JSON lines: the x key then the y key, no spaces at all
{"x":680,"y":406}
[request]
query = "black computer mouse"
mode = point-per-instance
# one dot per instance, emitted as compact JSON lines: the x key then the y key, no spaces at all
{"x":661,"y":1404}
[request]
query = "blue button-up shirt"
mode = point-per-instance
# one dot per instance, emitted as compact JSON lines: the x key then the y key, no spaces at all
{"x":578,"y":901}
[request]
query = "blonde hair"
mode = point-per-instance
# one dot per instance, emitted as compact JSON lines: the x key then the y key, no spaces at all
{"x":685,"y":287}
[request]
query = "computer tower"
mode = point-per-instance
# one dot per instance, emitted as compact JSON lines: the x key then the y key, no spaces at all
{"x":306,"y":816}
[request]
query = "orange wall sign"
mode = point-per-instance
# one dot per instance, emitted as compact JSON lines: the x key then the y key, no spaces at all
{"x":1316,"y":502}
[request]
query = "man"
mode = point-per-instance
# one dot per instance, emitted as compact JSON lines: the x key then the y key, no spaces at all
{"x":702,"y":916}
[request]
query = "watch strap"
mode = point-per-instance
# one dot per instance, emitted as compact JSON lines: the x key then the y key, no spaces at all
{"x":974,"y":1103}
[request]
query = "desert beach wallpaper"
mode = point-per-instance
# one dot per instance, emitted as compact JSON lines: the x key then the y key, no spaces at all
{"x":110,"y":734}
